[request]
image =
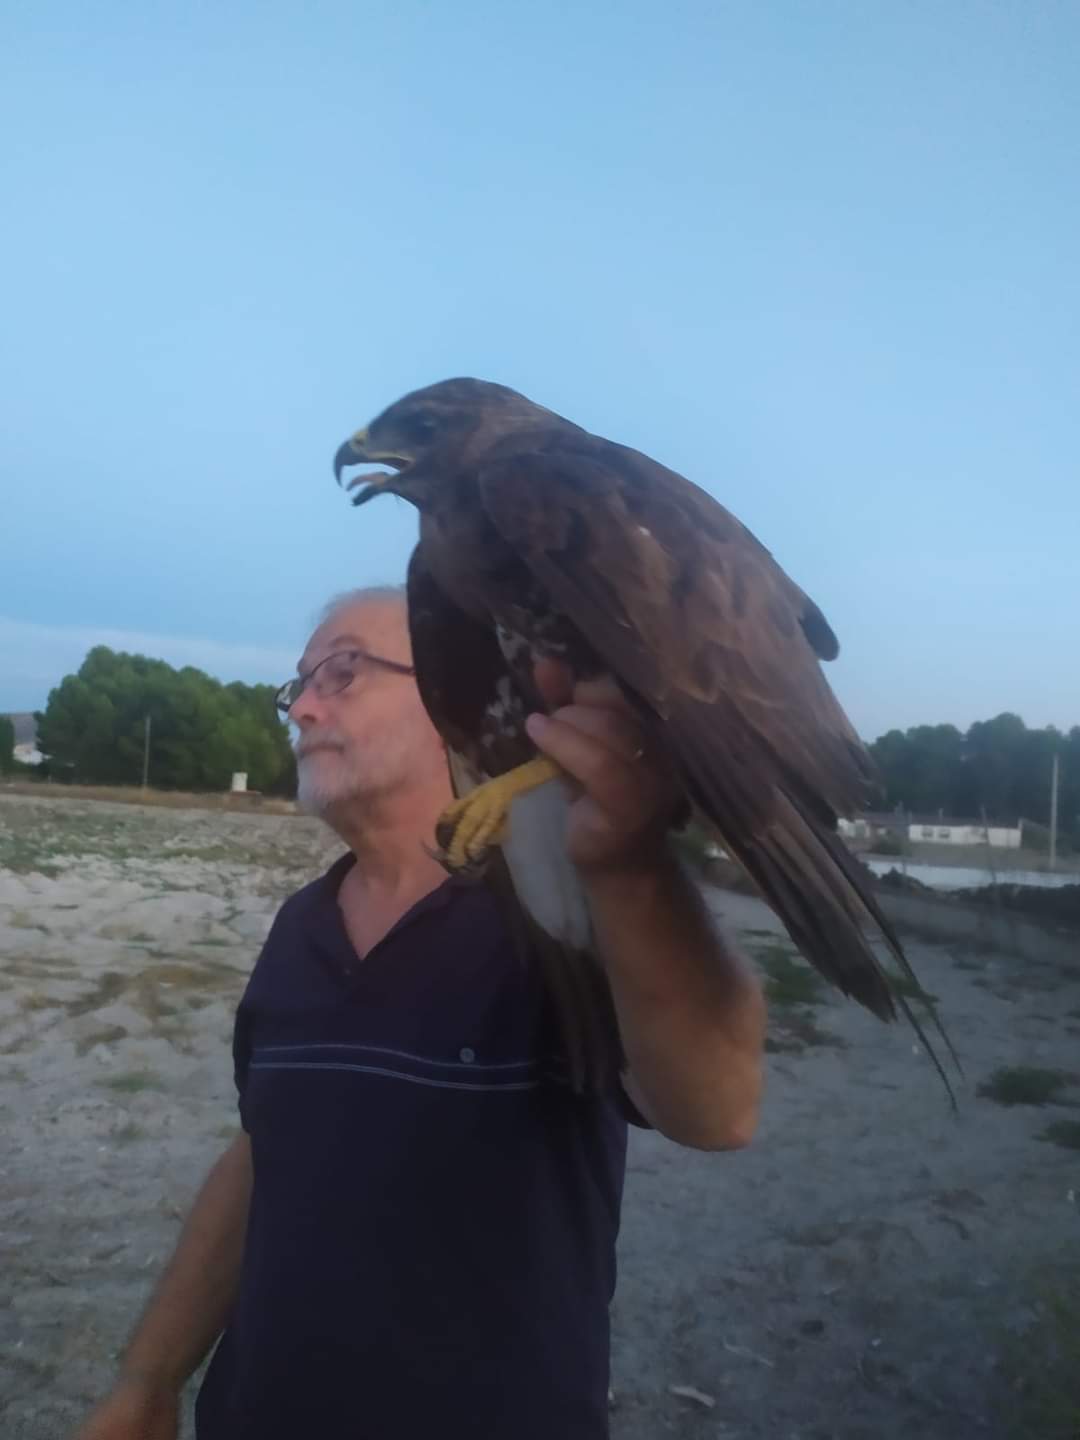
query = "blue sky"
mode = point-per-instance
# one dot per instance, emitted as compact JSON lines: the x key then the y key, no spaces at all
{"x":822,"y":258}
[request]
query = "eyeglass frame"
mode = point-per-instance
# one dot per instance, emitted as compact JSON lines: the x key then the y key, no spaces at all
{"x":295,"y":687}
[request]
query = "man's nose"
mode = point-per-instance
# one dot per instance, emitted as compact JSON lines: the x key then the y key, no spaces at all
{"x":307,"y":709}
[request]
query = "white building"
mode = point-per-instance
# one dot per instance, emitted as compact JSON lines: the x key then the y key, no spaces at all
{"x":965,"y":832}
{"x":930,"y":830}
{"x":26,"y":751}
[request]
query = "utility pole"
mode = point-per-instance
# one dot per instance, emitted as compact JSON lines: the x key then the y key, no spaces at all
{"x":1053,"y":813}
{"x":146,"y":753}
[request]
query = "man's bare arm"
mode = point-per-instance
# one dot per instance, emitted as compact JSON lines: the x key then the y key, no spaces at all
{"x":690,"y":1010}
{"x":187,"y":1310}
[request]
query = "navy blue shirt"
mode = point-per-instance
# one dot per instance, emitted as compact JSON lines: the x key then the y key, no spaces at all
{"x":430,"y":1251}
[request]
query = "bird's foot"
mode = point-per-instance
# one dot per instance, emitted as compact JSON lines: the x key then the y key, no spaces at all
{"x":467,"y":829}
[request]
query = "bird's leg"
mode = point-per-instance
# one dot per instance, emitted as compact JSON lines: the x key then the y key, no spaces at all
{"x":467,"y":829}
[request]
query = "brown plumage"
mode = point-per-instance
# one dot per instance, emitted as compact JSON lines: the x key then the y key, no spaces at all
{"x":538,"y":538}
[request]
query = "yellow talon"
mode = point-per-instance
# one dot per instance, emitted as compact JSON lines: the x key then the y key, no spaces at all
{"x":468,"y":828}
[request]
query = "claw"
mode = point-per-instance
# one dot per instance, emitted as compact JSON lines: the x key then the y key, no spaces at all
{"x":472,"y":826}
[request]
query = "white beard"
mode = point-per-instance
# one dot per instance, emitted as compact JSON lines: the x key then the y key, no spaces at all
{"x":331,"y":778}
{"x":322,"y":782}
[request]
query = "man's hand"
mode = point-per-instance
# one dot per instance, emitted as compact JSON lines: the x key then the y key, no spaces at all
{"x":135,"y":1409}
{"x":690,"y":1009}
{"x":629,"y":796}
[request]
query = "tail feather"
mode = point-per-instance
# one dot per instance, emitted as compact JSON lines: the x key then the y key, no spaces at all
{"x":817,"y":889}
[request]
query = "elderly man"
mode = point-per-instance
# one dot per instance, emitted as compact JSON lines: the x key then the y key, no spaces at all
{"x":414,"y":1234}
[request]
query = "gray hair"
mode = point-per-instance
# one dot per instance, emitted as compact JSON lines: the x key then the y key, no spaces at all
{"x":364,"y":595}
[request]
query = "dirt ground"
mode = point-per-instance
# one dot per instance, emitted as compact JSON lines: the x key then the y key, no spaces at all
{"x":873,"y":1265}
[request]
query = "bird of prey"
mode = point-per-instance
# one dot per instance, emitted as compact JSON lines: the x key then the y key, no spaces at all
{"x":539,"y":539}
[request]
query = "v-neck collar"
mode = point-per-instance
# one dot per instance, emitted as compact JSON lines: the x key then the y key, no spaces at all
{"x":330,"y":928}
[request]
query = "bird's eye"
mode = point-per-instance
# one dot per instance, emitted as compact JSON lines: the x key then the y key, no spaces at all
{"x":421,"y":427}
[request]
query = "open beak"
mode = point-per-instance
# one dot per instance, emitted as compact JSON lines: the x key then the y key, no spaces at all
{"x":356,"y":451}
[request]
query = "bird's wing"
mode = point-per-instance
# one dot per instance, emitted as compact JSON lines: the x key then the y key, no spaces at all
{"x":463,"y":679}
{"x":685,"y":607}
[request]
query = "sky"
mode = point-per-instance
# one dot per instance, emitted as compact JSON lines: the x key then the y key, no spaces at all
{"x":821,"y":258}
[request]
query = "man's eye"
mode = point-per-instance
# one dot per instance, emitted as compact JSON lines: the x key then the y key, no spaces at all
{"x":341,"y":672}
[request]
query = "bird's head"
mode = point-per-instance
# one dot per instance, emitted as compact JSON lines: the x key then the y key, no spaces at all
{"x":429,"y":433}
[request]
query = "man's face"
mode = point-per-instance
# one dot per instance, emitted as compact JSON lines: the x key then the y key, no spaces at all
{"x":372,"y":738}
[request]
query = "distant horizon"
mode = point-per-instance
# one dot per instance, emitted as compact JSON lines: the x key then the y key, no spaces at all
{"x":252,"y":664}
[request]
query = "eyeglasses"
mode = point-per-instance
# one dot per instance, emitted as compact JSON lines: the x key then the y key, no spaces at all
{"x":334,"y":674}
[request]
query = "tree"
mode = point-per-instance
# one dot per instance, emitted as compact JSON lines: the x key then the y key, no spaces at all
{"x":7,"y":745}
{"x":921,"y":767}
{"x":999,"y":767}
{"x":93,"y":727}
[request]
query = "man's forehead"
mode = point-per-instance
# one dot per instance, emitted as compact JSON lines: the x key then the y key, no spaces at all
{"x":380,"y":626}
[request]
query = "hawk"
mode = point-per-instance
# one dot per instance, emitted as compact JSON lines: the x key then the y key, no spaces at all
{"x":538,"y":539}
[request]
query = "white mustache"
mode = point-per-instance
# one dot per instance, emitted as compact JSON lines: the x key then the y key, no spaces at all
{"x":320,"y":740}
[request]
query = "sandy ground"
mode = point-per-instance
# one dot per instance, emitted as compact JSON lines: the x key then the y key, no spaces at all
{"x":869,"y":1267}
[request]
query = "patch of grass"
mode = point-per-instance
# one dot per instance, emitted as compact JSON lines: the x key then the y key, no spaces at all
{"x":1023,"y":1085}
{"x":794,"y":1031}
{"x":35,"y":967}
{"x":1042,"y":1364}
{"x":131,"y":1082}
{"x":219,"y":854}
{"x":110,"y":986}
{"x":20,"y":920}
{"x":164,"y":799}
{"x":25,"y":854}
{"x":36,"y":1001}
{"x":1063,"y":1132}
{"x":205,"y":975}
{"x":788,"y":980}
{"x":106,"y":1036}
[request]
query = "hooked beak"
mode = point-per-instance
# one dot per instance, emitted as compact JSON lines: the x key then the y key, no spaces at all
{"x":356,"y":451}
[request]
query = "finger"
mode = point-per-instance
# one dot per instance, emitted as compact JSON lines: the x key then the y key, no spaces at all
{"x":554,"y":680}
{"x":622,"y":732}
{"x":613,"y":728}
{"x":618,"y":785}
{"x":603,"y":690}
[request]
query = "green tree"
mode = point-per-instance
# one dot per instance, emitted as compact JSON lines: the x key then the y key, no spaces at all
{"x":921,"y":767}
{"x":999,"y":767}
{"x":93,"y":727}
{"x":7,"y":745}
